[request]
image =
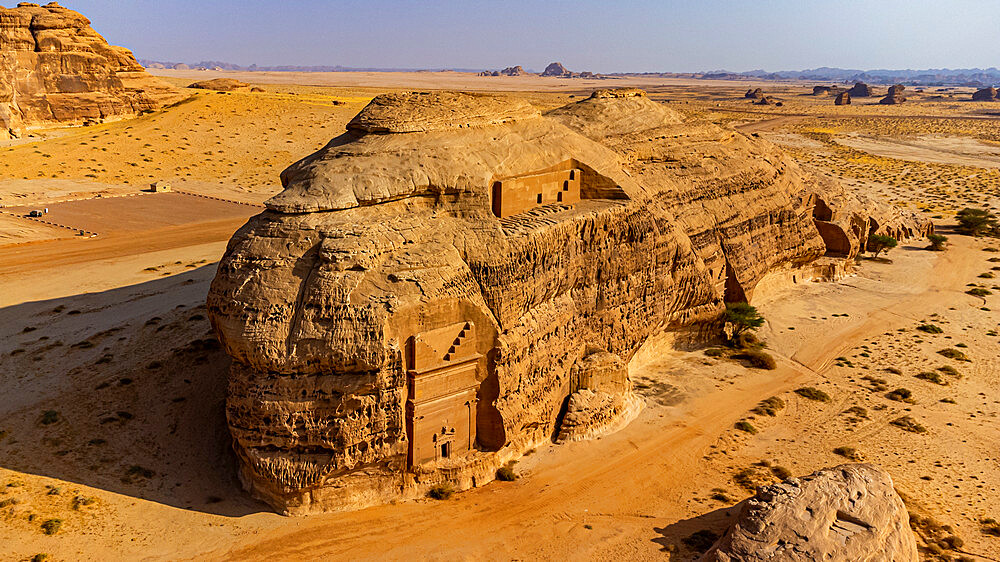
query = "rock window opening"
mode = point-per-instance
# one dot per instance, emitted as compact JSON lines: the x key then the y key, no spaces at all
{"x":445,"y":450}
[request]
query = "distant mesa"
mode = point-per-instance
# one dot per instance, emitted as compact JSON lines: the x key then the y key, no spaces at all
{"x":754,"y":94}
{"x":219,"y":84}
{"x":861,"y":90}
{"x":843,"y":98}
{"x":986,"y":94}
{"x":55,"y":69}
{"x":895,"y":95}
{"x":826,"y":90}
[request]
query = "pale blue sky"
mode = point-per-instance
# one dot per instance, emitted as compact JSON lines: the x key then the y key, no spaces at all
{"x":636,"y":36}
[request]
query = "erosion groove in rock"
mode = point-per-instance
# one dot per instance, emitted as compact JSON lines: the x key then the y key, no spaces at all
{"x":842,"y":514}
{"x":430,"y":289}
{"x":54,"y":68}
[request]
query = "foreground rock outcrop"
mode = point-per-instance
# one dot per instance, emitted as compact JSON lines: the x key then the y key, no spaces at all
{"x":986,"y":94}
{"x":458,"y":278}
{"x":843,"y":98}
{"x":861,"y":90}
{"x":895,"y":95}
{"x":54,"y":68}
{"x":219,"y":84}
{"x":847,"y":513}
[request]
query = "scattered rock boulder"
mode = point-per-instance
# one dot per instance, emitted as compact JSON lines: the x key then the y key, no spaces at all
{"x":985,"y":94}
{"x":842,"y":514}
{"x":219,"y":84}
{"x":763,"y":100}
{"x":861,"y":90}
{"x":54,"y":68}
{"x":825,"y":90}
{"x":513,"y":71}
{"x":843,"y":98}
{"x":754,"y":94}
{"x":895,"y":95}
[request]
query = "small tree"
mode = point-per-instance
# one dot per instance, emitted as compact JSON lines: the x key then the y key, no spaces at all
{"x":743,"y":317}
{"x":976,"y":222}
{"x":937,"y":242}
{"x":878,"y":243}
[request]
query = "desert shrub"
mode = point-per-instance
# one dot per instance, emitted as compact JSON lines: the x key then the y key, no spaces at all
{"x":979,"y":292}
{"x":759,"y":359}
{"x":51,"y":526}
{"x":847,"y":452}
{"x":781,"y":472}
{"x":961,"y":345}
{"x":949,"y":401}
{"x":700,"y":541}
{"x":930,"y":328}
{"x":991,"y":527}
{"x":954,"y":354}
{"x":901,"y":395}
{"x":878,"y":243}
{"x":813,"y":393}
{"x":715,"y":352}
{"x":50,"y":417}
{"x":937,"y":242}
{"x":40,"y":557}
{"x":441,"y":491}
{"x":769,"y":407}
{"x":893,"y":370}
{"x":933,"y":377}
{"x":718,"y":494}
{"x":907,"y":423}
{"x":857,"y":411}
{"x":986,"y":275}
{"x":506,"y":474}
{"x":746,"y":427}
{"x":743,"y":317}
{"x":976,"y":222}
{"x":81,"y":501}
{"x":949,"y":370}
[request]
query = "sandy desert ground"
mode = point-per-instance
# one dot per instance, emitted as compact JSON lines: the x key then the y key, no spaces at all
{"x":113,"y":419}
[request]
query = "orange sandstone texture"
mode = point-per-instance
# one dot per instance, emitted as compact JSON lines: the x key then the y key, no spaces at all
{"x":393,"y":327}
{"x":54,"y":68}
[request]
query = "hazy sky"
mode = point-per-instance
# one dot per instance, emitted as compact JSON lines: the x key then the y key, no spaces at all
{"x":636,"y":36}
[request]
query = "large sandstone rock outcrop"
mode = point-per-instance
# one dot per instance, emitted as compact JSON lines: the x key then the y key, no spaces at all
{"x":754,"y":94}
{"x":54,"y":68}
{"x":849,"y":513}
{"x":513,"y":71}
{"x":895,"y":95}
{"x":985,"y":94}
{"x":861,"y":90}
{"x":843,"y":98}
{"x":439,"y":285}
{"x":219,"y":84}
{"x":556,"y":69}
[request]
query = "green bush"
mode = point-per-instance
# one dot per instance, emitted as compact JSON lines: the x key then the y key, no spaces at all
{"x":949,"y":370}
{"x":937,"y":242}
{"x":901,"y":395}
{"x":979,"y":292}
{"x":847,"y":452}
{"x":955,"y":354}
{"x":878,"y":243}
{"x":441,"y":491}
{"x":759,"y":359}
{"x":51,"y":526}
{"x":976,"y":222}
{"x":906,"y":423}
{"x":715,"y":352}
{"x":746,"y":427}
{"x":813,"y":394}
{"x":933,"y":377}
{"x":506,"y":474}
{"x":743,"y":317}
{"x":769,"y":407}
{"x":930,"y":328}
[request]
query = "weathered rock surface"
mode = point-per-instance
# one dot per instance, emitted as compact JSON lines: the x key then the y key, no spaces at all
{"x":54,"y":68}
{"x":434,"y":285}
{"x":895,"y":95}
{"x":219,"y":84}
{"x":849,"y":513}
{"x":826,"y":90}
{"x":985,"y":94}
{"x":861,"y":90}
{"x":754,"y":94}
{"x":513,"y":71}
{"x":556,"y":69}
{"x":843,"y":98}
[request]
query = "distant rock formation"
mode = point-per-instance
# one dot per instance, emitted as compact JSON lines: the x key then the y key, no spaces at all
{"x":54,"y":68}
{"x":513,"y":71}
{"x":763,"y":100}
{"x":556,"y":69}
{"x":985,"y":94}
{"x":825,"y":90}
{"x":842,"y":514}
{"x":861,"y":90}
{"x":405,"y":314}
{"x":843,"y":98}
{"x":895,"y":95}
{"x":754,"y":94}
{"x":219,"y":84}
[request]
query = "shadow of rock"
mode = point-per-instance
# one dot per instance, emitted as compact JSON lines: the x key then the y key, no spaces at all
{"x":671,"y":537}
{"x":124,"y":391}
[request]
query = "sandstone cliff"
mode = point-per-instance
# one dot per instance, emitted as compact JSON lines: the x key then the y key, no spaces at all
{"x":847,"y":513}
{"x":54,"y":68}
{"x":438,"y":286}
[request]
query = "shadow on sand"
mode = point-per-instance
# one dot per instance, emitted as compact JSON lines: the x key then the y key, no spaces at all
{"x":124,"y":391}
{"x":686,"y":538}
